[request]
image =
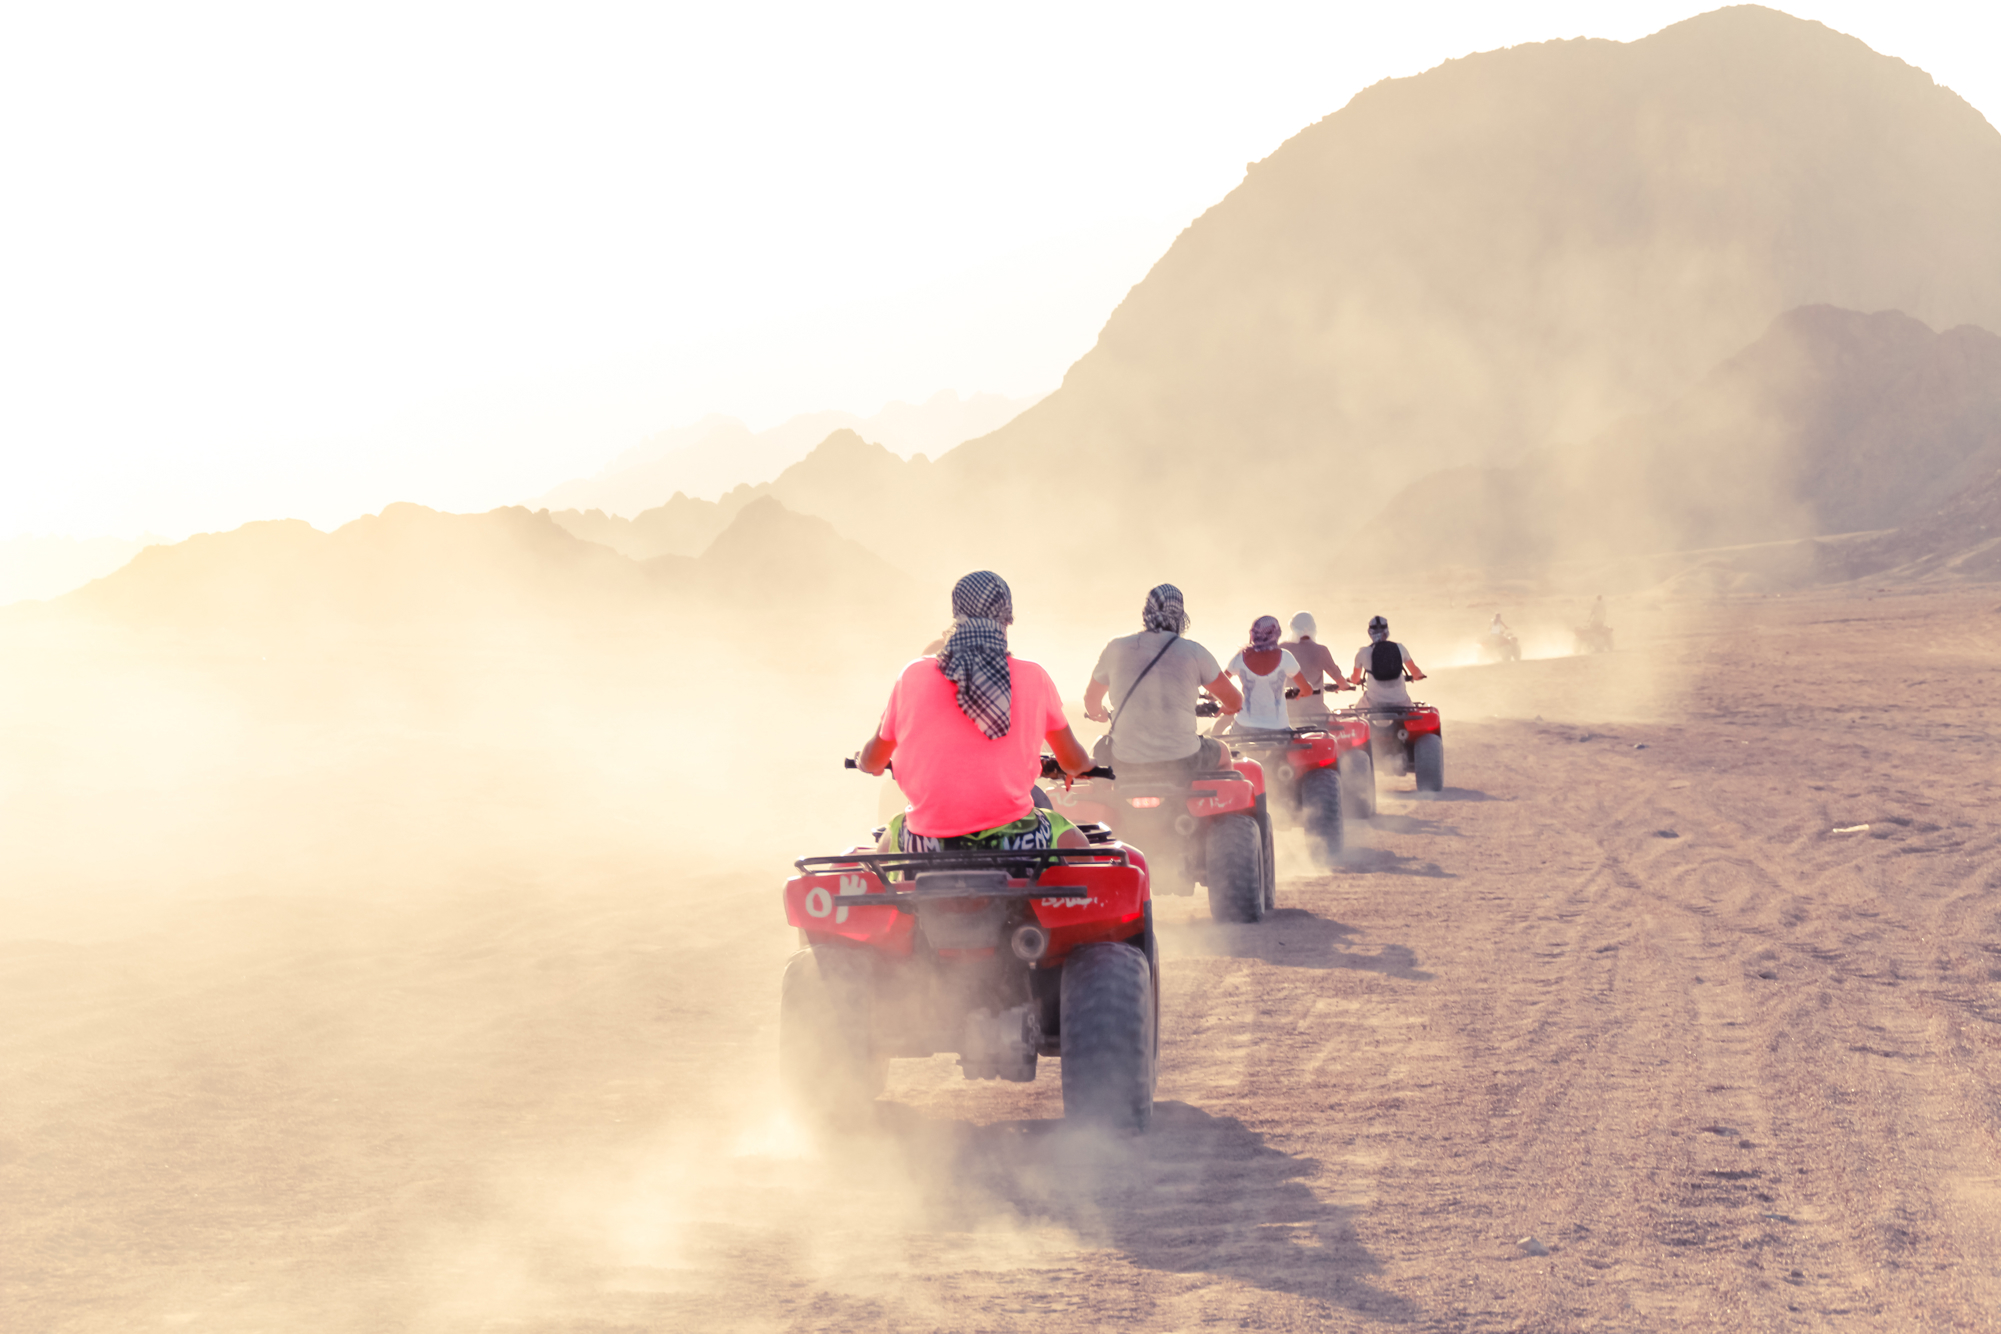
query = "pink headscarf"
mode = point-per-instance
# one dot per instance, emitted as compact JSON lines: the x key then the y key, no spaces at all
{"x":1264,"y":634}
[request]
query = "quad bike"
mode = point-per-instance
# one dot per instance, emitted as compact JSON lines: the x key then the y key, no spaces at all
{"x":1208,"y":828}
{"x":1406,"y":739}
{"x":1000,"y":956}
{"x":1594,"y":638}
{"x":1501,"y":647}
{"x":1316,"y":776}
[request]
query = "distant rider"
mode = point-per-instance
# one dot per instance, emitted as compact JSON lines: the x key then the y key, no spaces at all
{"x":1153,"y":678}
{"x":967,"y":729}
{"x":1266,"y":669}
{"x":1317,"y":665}
{"x":1499,"y":629}
{"x":1380,"y":669}
{"x":1596,"y":620}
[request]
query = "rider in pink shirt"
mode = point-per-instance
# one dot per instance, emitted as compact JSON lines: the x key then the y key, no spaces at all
{"x":967,"y":730}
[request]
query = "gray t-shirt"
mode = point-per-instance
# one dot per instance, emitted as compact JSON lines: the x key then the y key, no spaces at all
{"x":1157,"y":724}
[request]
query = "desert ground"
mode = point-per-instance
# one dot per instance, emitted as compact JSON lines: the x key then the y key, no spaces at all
{"x":273,"y":1060}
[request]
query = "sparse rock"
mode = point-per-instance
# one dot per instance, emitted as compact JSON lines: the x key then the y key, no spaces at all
{"x":1531,"y":1246}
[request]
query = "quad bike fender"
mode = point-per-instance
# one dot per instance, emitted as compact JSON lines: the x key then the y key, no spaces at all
{"x":1116,"y":910}
{"x":825,"y":908}
{"x":1423,"y":720}
{"x":1221,"y":796}
{"x":1319,"y":751}
{"x":1252,"y":770}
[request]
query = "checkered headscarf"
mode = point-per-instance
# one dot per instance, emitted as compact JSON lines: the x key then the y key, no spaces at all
{"x":975,"y":653}
{"x":1264,"y":634}
{"x":1163,"y":610}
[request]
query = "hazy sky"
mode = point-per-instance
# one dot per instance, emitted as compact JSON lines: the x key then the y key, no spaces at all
{"x":293,"y":260}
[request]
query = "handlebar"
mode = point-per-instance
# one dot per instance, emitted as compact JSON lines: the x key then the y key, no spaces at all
{"x":1052,"y":770}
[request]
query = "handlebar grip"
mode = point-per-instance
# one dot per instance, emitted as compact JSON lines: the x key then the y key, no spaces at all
{"x":849,"y":763}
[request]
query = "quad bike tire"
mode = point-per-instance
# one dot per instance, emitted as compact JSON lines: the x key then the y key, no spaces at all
{"x":1107,"y":1037}
{"x":1235,"y":864}
{"x":1427,"y":761}
{"x":1269,"y":844}
{"x":826,"y":1068}
{"x":1320,"y":807}
{"x":1358,"y":785}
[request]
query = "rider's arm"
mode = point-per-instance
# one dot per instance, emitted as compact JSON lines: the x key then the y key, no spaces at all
{"x":875,"y":755}
{"x":1094,"y":702}
{"x":1227,"y":695}
{"x":1069,"y":752}
{"x":1299,"y":679}
{"x":1415,"y":673}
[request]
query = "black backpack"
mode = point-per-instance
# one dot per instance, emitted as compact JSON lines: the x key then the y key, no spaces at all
{"x":1386,"y":660}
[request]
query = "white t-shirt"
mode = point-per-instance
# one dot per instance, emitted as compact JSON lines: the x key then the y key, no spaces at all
{"x":1381,"y":692}
{"x":1264,"y":696}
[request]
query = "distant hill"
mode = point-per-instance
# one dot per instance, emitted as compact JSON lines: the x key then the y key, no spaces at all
{"x":718,"y":454}
{"x":1511,"y":250}
{"x":47,"y":567}
{"x":1960,"y":539}
{"x":412,"y":565}
{"x":862,"y":487}
{"x":1832,"y":422}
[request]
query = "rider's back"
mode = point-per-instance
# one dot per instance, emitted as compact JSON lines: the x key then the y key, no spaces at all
{"x":958,"y":779}
{"x":1381,"y":665}
{"x":1154,"y":721}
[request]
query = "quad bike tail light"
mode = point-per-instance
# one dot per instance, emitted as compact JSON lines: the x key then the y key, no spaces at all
{"x":1144,"y":803}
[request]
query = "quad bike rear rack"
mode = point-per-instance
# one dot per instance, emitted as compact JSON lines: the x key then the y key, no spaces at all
{"x":963,"y":873}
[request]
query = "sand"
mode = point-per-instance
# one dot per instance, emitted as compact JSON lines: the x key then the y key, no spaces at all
{"x":1623,"y":990}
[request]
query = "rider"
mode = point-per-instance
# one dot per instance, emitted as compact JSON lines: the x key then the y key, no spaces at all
{"x":1499,"y":629}
{"x":1264,"y":666}
{"x":1380,"y":668}
{"x":1596,"y":620}
{"x":967,"y":729}
{"x":1153,"y":676}
{"x":1317,"y":665}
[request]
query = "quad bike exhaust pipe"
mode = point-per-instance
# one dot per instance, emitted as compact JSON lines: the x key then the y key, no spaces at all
{"x":1184,"y":825}
{"x":1029,"y":942}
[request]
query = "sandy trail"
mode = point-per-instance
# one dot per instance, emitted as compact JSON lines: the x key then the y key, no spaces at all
{"x":1622,"y":989}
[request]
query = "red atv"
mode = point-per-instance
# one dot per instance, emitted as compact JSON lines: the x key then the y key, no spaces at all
{"x":1203,"y":828}
{"x":1408,"y":739}
{"x":1001,"y":956}
{"x":1316,"y":777}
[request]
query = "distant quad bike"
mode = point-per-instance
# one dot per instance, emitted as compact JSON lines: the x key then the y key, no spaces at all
{"x":1202,"y":828}
{"x":1406,"y":740}
{"x":1594,"y":639}
{"x":1001,"y":957}
{"x":1500,"y":647}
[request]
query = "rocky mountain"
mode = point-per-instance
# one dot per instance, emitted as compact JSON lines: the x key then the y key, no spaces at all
{"x":1960,"y":539}
{"x":413,"y":565}
{"x":863,"y":488}
{"x":1510,"y":250}
{"x":718,"y":454}
{"x":1833,"y":422}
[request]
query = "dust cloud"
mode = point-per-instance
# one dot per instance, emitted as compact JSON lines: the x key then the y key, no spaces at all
{"x":422,"y":974}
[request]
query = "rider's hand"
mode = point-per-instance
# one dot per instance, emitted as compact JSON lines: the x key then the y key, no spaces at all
{"x":1098,"y":715}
